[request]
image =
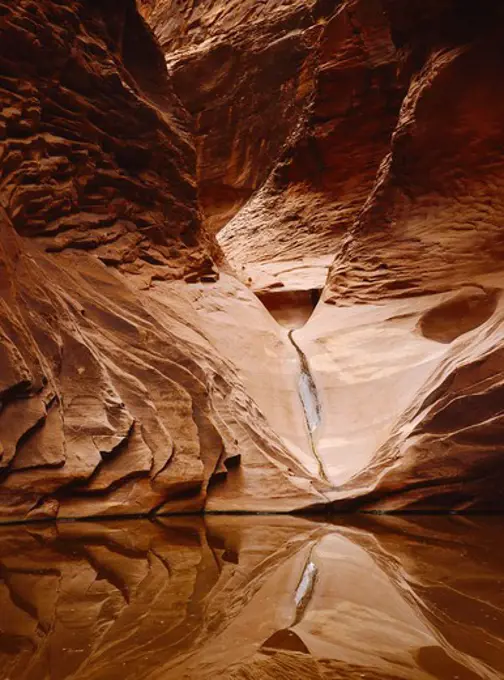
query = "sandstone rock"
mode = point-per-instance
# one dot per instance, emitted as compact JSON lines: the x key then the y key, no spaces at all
{"x":430,"y":225}
{"x":113,"y":400}
{"x":325,"y":174}
{"x":140,"y":370}
{"x":395,"y":167}
{"x":255,"y":64}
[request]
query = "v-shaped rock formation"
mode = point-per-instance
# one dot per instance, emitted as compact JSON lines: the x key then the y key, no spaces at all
{"x":177,"y":199}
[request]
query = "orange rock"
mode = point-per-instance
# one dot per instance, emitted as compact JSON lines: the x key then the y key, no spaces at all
{"x":113,"y":401}
{"x":344,"y":151}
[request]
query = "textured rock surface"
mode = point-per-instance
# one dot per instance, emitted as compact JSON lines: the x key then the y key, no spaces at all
{"x":96,"y":155}
{"x":329,"y":166}
{"x":361,"y":137}
{"x":252,"y":597}
{"x":432,"y":225}
{"x":395,"y":166}
{"x":255,"y":64}
{"x":113,"y":399}
{"x":415,"y":419}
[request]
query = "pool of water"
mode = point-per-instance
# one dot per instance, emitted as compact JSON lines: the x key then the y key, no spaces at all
{"x":253,"y":597}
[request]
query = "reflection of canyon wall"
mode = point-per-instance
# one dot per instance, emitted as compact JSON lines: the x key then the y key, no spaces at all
{"x":395,"y":167}
{"x":252,"y":597}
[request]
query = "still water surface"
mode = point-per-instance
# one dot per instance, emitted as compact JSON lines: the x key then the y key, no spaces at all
{"x":253,"y":598}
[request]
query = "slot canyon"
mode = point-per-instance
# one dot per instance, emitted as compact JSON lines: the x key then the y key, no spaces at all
{"x":251,"y":258}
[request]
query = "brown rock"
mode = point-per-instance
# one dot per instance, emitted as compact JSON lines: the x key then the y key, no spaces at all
{"x":430,"y":225}
{"x":139,"y":372}
{"x":112,"y":399}
{"x":325,"y":174}
{"x":255,"y":66}
{"x":396,"y":168}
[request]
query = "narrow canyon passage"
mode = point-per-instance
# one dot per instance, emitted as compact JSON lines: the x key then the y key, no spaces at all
{"x":180,"y":183}
{"x":251,"y":339}
{"x":292,"y":309}
{"x":377,"y":181}
{"x":290,"y":301}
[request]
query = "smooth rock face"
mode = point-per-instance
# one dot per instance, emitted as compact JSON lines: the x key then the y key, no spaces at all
{"x":253,"y":597}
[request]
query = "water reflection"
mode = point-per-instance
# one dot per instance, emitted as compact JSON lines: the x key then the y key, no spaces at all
{"x":246,"y":598}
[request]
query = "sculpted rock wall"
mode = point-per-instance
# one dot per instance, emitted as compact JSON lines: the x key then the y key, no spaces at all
{"x":135,"y":376}
{"x":431,"y":225}
{"x":326,"y":172}
{"x":395,"y":166}
{"x":255,"y":64}
{"x":96,"y":154}
{"x":113,"y":400}
{"x":431,"y":220}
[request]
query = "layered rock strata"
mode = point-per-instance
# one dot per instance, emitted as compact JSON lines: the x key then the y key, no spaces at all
{"x":427,"y":249}
{"x":345,"y":150}
{"x":255,"y":63}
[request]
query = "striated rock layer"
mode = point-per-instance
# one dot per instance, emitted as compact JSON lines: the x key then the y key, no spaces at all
{"x":431,"y":229}
{"x":255,"y":66}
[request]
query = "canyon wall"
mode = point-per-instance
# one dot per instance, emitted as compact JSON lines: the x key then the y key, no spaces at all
{"x":255,"y":66}
{"x":158,"y":183}
{"x":113,"y":398}
{"x":394,"y":171}
{"x":427,"y":249}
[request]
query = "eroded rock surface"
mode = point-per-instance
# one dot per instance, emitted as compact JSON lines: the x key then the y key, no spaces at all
{"x":430,"y":229}
{"x":113,"y":399}
{"x":256,"y":65}
{"x":395,"y":166}
{"x":345,"y":150}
